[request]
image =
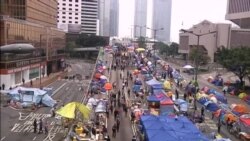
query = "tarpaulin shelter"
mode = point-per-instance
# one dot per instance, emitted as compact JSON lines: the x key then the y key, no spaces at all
{"x":212,"y":107}
{"x":136,"y":88}
{"x":239,"y":108}
{"x":166,"y":128}
{"x":101,"y":107}
{"x":220,"y":97}
{"x":245,"y":119}
{"x":153,"y":82}
{"x":152,"y":98}
{"x":31,"y":95}
{"x":69,"y":110}
{"x":183,"y":104}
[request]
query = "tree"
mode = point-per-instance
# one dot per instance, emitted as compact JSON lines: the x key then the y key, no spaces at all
{"x":198,"y":56}
{"x":141,"y":42}
{"x":236,"y":60}
{"x":91,"y":40}
{"x":173,"y":49}
{"x":163,"y":48}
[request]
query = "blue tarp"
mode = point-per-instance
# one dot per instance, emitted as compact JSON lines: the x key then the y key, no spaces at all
{"x":220,"y":97}
{"x":166,"y":128}
{"x":153,"y":99}
{"x":212,"y":107}
{"x":153,"y":82}
{"x":158,"y":86}
{"x":136,"y":88}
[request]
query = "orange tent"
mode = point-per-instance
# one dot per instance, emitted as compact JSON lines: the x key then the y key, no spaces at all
{"x":98,"y":75}
{"x":240,"y":108}
{"x":230,"y":117}
{"x":108,"y":86}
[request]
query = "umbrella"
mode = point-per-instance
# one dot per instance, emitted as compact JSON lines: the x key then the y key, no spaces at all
{"x":140,"y":49}
{"x":149,"y":63}
{"x":69,"y":110}
{"x":98,"y":75}
{"x":167,"y":85}
{"x":103,"y":77}
{"x":93,"y":101}
{"x":188,"y":67}
{"x":108,"y":86}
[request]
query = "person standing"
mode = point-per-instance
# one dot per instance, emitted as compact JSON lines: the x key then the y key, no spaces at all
{"x":114,"y":130}
{"x":117,"y":124}
{"x":46,"y":127}
{"x":219,"y":126}
{"x":202,"y":111}
{"x":128,"y":92}
{"x":3,"y":86}
{"x":134,"y":138}
{"x":40,"y":126}
{"x":177,"y":94}
{"x":31,"y":83}
{"x":35,"y":125}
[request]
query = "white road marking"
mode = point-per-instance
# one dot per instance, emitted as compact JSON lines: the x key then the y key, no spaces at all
{"x":66,"y":88}
{"x":2,"y":138}
{"x":34,"y":138}
{"x":58,"y":88}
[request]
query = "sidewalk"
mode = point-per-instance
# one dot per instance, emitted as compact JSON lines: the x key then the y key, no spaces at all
{"x":46,"y":80}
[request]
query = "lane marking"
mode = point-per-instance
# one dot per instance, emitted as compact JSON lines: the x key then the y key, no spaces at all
{"x":58,"y":88}
{"x":66,"y":88}
{"x":34,"y":138}
{"x":3,"y":138}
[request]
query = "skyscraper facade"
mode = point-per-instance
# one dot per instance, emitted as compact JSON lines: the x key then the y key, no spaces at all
{"x":69,"y":14}
{"x":89,"y":16}
{"x":108,"y":16}
{"x":161,"y":19}
{"x":238,"y":11}
{"x":140,"y":18}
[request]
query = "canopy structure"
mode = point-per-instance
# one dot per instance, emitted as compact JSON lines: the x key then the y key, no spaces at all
{"x":69,"y":110}
{"x":153,"y":82}
{"x":166,"y":128}
{"x":33,"y":95}
{"x":153,"y":99}
{"x":101,"y":107}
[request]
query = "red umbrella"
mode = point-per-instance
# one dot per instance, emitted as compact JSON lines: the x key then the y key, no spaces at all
{"x":108,"y":86}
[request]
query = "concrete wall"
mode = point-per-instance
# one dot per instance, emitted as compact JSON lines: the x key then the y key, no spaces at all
{"x":240,"y":37}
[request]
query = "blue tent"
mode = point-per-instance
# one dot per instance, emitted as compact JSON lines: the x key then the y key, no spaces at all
{"x":153,"y":82}
{"x":136,"y":88}
{"x":153,"y":99}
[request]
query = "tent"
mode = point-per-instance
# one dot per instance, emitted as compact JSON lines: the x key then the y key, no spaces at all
{"x":136,"y":88}
{"x":158,"y":86}
{"x":69,"y":110}
{"x":153,"y":82}
{"x":167,"y":85}
{"x":33,"y":95}
{"x":152,"y":99}
{"x":101,"y":107}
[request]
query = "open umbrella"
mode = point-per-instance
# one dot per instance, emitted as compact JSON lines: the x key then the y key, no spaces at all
{"x":108,"y":86}
{"x":188,"y":67}
{"x":69,"y":110}
{"x":167,"y":85}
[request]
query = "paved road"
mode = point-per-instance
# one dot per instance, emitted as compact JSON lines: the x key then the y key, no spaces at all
{"x":16,"y":125}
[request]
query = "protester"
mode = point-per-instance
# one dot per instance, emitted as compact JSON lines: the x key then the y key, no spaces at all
{"x":40,"y":126}
{"x":35,"y":125}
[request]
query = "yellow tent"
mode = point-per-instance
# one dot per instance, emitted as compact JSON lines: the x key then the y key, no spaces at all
{"x":140,"y":49}
{"x":69,"y":110}
{"x":167,"y":85}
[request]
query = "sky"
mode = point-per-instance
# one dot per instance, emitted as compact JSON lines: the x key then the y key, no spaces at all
{"x":185,"y":14}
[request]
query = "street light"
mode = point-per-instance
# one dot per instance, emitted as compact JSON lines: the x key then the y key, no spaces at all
{"x":140,"y":26}
{"x":198,"y":43}
{"x":155,"y":31}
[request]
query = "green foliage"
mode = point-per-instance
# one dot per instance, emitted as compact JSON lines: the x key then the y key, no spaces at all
{"x":163,"y":48}
{"x":168,"y":50}
{"x":141,"y":42}
{"x":198,"y":56}
{"x":173,"y":49}
{"x":91,"y":40}
{"x":236,"y":60}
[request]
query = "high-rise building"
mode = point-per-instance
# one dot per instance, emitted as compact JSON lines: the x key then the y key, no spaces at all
{"x":30,"y":43}
{"x":140,"y":18}
{"x":238,"y":11}
{"x":161,"y":19}
{"x":89,"y":16}
{"x":108,"y":16}
{"x":69,"y":15}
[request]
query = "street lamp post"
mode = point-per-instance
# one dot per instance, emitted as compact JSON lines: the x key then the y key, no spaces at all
{"x":196,"y":59}
{"x":155,"y":31}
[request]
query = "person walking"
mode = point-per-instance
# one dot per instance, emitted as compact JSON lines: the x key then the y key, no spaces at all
{"x":3,"y":86}
{"x":114,"y":130}
{"x":177,"y":94}
{"x":202,"y":111}
{"x":31,"y":83}
{"x":219,"y":126}
{"x":46,"y":127}
{"x":185,"y":96}
{"x":35,"y":125}
{"x":128,"y":92}
{"x":117,"y":124}
{"x":40,"y":126}
{"x":52,"y":112}
{"x":134,"y":138}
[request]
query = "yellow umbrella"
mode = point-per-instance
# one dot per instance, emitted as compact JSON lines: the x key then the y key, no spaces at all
{"x":140,"y":49}
{"x":68,"y":111}
{"x":167,"y":85}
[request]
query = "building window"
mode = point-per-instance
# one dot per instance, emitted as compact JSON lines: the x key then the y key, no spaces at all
{"x":70,"y":17}
{"x":70,"y":8}
{"x":76,"y":22}
{"x":76,"y":13}
{"x":76,"y":18}
{"x":76,"y":0}
{"x":64,"y":8}
{"x":63,"y":17}
{"x":63,"y":12}
{"x":70,"y":21}
{"x":76,"y":5}
{"x":70,"y":4}
{"x":63,"y":21}
{"x":64,"y":4}
{"x":70,"y":0}
{"x":70,"y":13}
